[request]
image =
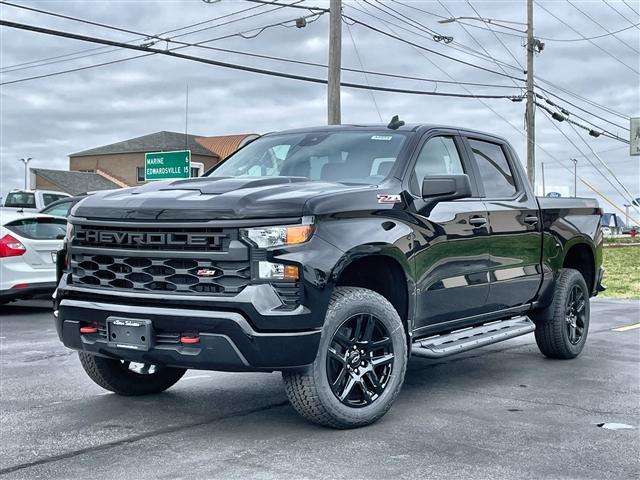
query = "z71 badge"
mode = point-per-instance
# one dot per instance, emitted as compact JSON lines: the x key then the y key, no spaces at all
{"x":384,"y":198}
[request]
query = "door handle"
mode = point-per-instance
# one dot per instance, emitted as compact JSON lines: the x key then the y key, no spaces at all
{"x":477,"y":221}
{"x":531,"y":220}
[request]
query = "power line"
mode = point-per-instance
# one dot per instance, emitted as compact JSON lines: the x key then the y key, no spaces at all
{"x":486,"y":105}
{"x":368,"y":72}
{"x":596,"y":37}
{"x":602,"y":27}
{"x":413,"y":7}
{"x":140,"y":38}
{"x":549,"y":115}
{"x":564,"y":116}
{"x":631,"y":8}
{"x":497,"y":37}
{"x":366,"y":79}
{"x":519,"y":35}
{"x":478,"y":42}
{"x":78,"y":69}
{"x":608,"y":4}
{"x":158,"y":38}
{"x":421,"y":47}
{"x":568,"y":92}
{"x":233,"y":66}
{"x":579,"y":108}
{"x":604,"y":164}
{"x":292,"y":5}
{"x":589,"y":40}
{"x":437,"y":36}
{"x":452,"y":44}
{"x":270,"y":57}
{"x":402,"y":17}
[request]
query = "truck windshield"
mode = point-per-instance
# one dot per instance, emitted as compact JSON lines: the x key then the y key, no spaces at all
{"x":353,"y":157}
{"x":20,"y":200}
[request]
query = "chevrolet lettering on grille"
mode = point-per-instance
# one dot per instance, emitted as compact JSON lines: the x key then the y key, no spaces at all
{"x":145,"y":238}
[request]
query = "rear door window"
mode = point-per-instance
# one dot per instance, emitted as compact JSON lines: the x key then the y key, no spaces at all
{"x":495,"y":172}
{"x":20,"y":200}
{"x":48,"y":198}
{"x":60,"y":210}
{"x":41,"y":228}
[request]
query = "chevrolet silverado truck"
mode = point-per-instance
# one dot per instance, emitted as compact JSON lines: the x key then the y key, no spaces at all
{"x":332,"y":255}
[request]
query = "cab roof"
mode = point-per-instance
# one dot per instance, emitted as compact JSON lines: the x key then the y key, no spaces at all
{"x":409,"y":127}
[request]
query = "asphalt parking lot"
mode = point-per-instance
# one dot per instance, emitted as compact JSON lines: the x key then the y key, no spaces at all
{"x":499,"y":412}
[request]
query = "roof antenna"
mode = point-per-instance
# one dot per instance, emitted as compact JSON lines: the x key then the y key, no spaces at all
{"x":395,"y":123}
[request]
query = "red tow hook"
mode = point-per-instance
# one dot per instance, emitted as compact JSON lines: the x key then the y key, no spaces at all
{"x":89,"y":329}
{"x":189,"y":339}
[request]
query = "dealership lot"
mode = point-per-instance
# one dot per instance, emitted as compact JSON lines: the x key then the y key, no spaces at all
{"x":499,"y":412}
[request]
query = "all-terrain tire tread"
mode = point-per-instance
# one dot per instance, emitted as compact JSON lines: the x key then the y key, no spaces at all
{"x":105,"y":373}
{"x":300,"y":387}
{"x":550,"y":322}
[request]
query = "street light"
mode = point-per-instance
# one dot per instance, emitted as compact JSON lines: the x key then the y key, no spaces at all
{"x":533,"y":45}
{"x":26,"y":162}
{"x":492,"y":21}
{"x":575,"y":176}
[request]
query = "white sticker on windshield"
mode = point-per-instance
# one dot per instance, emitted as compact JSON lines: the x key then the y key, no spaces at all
{"x":381,"y":137}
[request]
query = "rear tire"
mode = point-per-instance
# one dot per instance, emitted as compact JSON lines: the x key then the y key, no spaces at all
{"x":562,"y":327}
{"x":117,"y":376}
{"x":360,"y":365}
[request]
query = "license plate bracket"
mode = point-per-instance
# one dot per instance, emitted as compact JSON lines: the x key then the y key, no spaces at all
{"x":129,"y":333}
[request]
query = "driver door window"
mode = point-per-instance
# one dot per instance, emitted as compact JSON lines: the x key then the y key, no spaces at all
{"x":438,"y":156}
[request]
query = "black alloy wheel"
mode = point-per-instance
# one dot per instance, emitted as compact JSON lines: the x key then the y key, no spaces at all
{"x":575,"y":314}
{"x":360,"y":360}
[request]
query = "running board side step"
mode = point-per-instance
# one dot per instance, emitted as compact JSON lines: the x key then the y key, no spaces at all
{"x":474,"y":337}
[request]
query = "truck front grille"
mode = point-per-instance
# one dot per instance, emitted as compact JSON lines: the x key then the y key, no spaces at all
{"x":201,"y":239}
{"x":161,"y":275}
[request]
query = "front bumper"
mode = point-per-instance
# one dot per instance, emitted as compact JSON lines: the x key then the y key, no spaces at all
{"x":227,"y":341}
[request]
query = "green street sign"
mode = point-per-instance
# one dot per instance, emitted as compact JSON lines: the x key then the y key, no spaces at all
{"x":167,"y":165}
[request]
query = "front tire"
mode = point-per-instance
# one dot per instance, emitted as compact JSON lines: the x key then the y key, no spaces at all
{"x":127,"y":378}
{"x":360,"y":365}
{"x":562,"y":327}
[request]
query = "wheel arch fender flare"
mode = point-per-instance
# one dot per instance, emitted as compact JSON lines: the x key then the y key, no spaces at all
{"x":389,"y":251}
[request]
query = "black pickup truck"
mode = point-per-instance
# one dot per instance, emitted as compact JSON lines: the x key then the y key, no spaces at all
{"x":331,"y":254}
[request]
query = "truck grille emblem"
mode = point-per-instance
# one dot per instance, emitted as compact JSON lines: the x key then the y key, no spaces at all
{"x":206,"y":272}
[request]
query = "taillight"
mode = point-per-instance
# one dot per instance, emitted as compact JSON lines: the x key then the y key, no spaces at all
{"x":10,"y":247}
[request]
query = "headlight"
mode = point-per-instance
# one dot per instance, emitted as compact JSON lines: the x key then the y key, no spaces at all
{"x":277,"y":271}
{"x":265,"y":237}
{"x":69,"y":233}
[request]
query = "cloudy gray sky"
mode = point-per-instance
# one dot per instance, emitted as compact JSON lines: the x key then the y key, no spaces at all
{"x":49,"y":118}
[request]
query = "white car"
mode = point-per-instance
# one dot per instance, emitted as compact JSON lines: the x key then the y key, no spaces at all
{"x":32,"y":199}
{"x":29,"y":243}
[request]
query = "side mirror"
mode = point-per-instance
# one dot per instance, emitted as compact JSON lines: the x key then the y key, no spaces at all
{"x":446,"y":187}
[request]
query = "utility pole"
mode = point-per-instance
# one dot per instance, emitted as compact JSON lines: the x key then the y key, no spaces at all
{"x":575,"y":176}
{"x":626,"y":214}
{"x":26,"y":170}
{"x":544,"y":191}
{"x":335,"y":62}
{"x":530,"y":113}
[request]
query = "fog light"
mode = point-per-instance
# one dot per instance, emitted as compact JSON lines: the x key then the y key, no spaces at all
{"x":277,"y":271}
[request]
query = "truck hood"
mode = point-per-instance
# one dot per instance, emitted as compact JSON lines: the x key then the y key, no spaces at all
{"x":209,"y":198}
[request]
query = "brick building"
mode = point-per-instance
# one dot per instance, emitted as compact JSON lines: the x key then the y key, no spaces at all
{"x":124,"y":161}
{"x":121,"y":164}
